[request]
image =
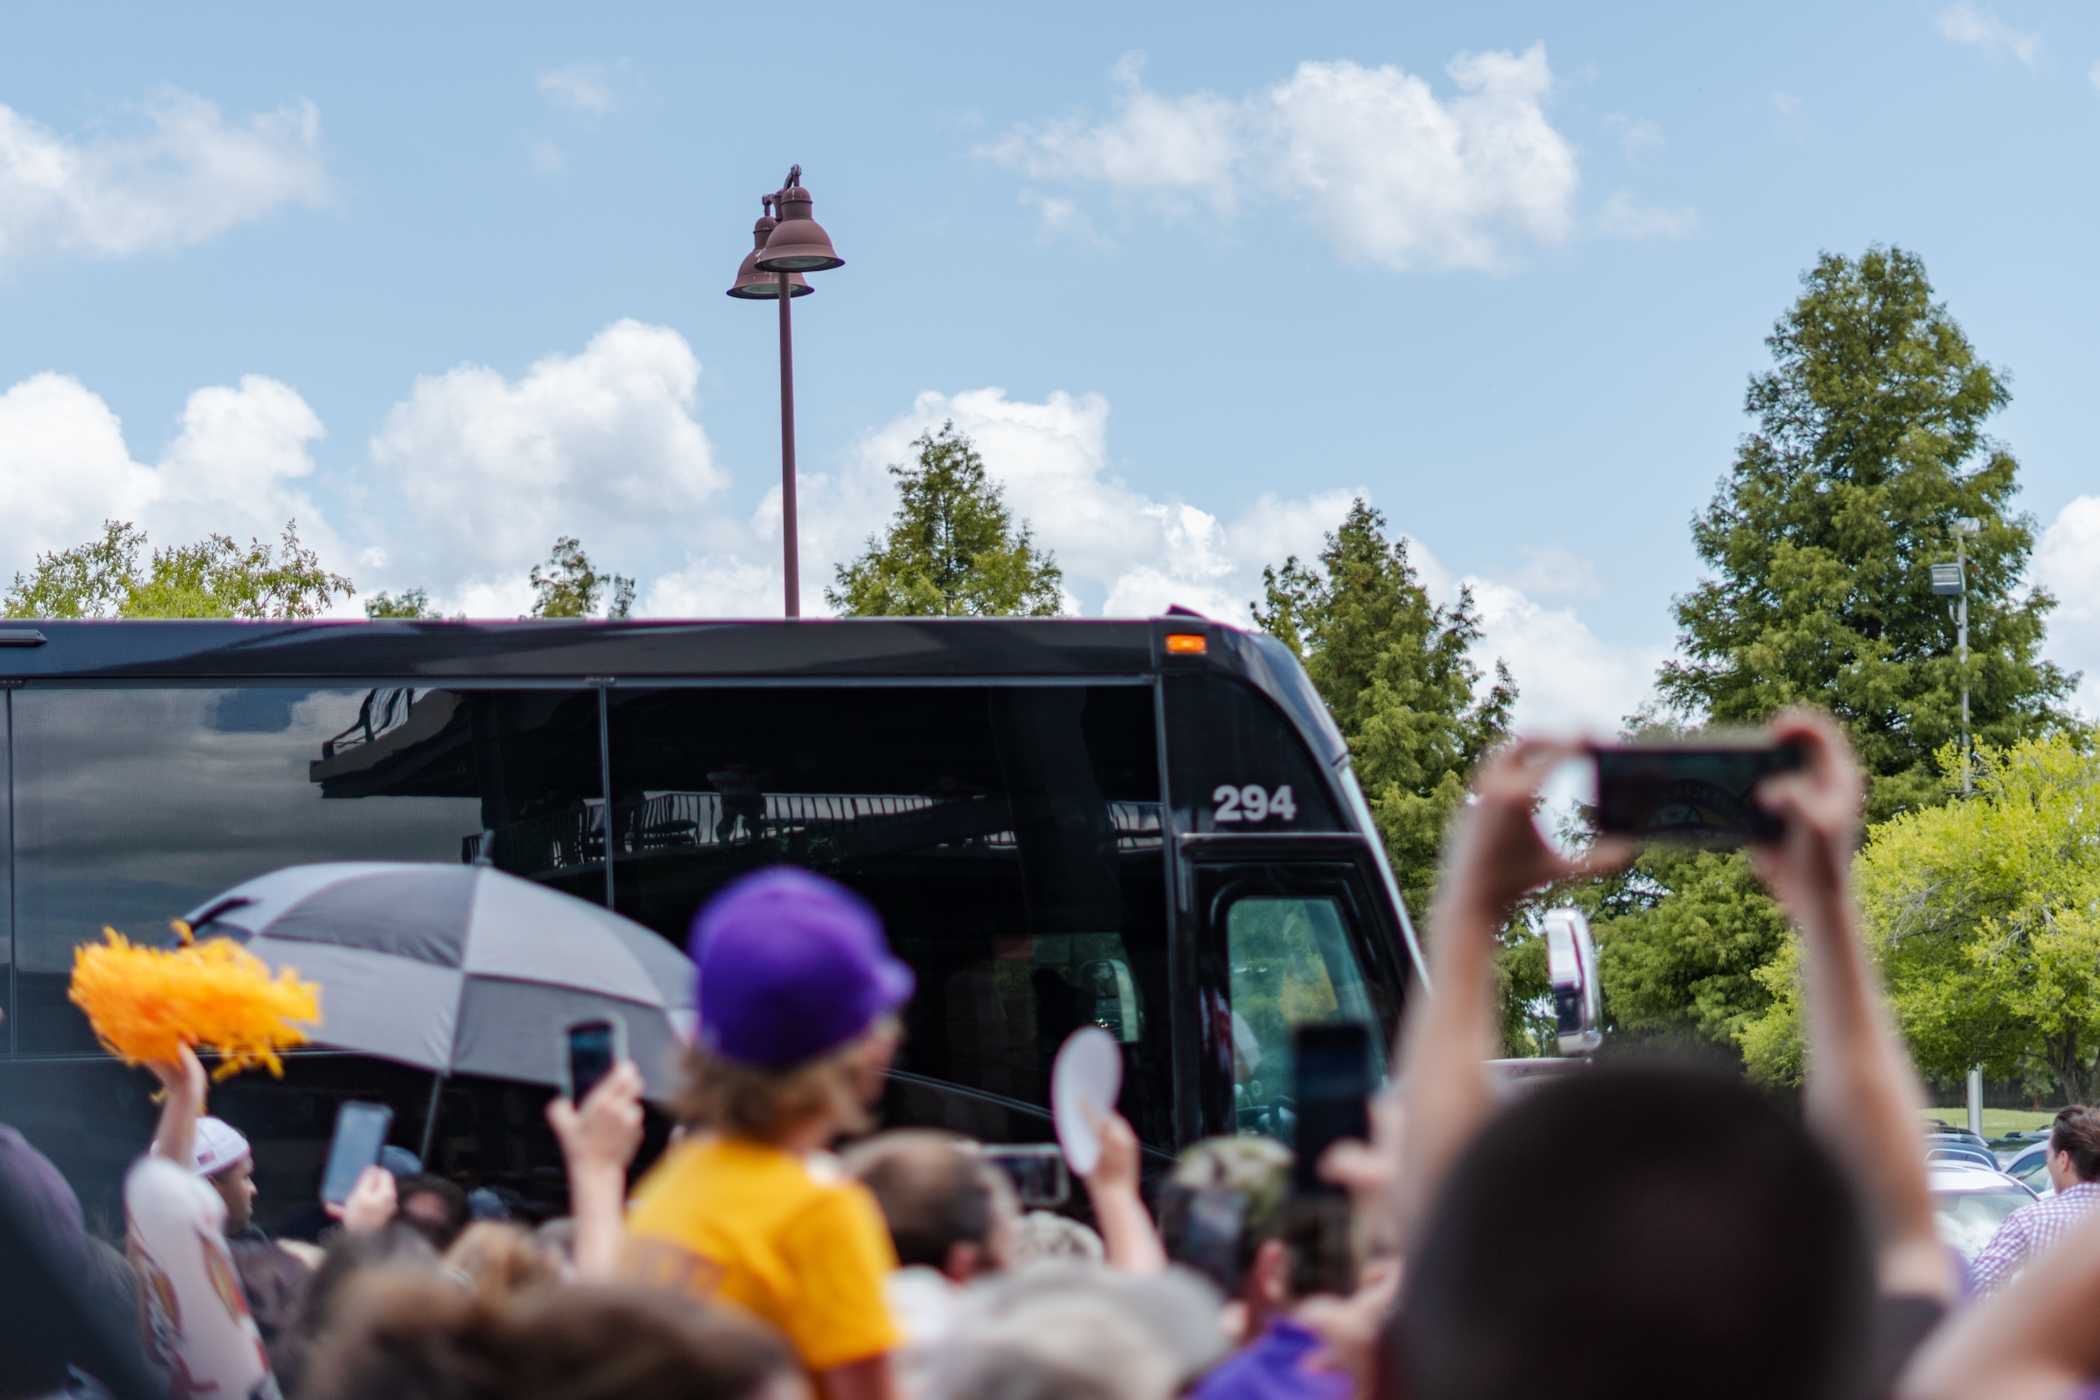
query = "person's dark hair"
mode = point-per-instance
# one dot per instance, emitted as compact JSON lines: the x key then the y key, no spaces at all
{"x":457,"y":1213}
{"x":417,"y":1336}
{"x":1637,"y":1229}
{"x":348,"y":1257}
{"x":933,"y":1194}
{"x":2077,"y":1131}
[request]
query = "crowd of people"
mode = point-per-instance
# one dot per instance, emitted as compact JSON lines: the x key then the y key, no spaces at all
{"x":1642,"y":1227}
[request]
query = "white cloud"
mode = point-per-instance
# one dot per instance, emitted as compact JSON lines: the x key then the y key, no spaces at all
{"x":1553,"y":572}
{"x":1979,"y":28}
{"x":602,"y":444}
{"x":2093,"y":73}
{"x":1624,"y":216}
{"x":1386,"y":169}
{"x":188,"y":177}
{"x":236,"y":464}
{"x":1151,"y":143}
{"x":546,"y":158}
{"x":1062,"y":218}
{"x":1786,"y":104}
{"x":582,"y":87}
{"x":2067,"y":563}
{"x":1638,"y":137}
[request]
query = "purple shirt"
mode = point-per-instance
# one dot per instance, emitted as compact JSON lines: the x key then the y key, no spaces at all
{"x":1275,"y":1365}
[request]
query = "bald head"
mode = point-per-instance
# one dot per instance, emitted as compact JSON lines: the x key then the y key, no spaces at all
{"x":936,"y":1195}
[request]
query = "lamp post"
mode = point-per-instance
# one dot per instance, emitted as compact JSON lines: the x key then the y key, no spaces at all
{"x":782,"y":250}
{"x":1952,"y":581}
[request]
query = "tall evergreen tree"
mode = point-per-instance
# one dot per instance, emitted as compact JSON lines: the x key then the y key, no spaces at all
{"x":953,"y":549}
{"x":1869,"y":448}
{"x":1397,"y":674}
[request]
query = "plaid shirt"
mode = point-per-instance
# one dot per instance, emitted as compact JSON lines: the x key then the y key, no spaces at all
{"x":2028,"y":1232}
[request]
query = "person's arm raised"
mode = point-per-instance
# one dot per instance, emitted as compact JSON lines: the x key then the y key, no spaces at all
{"x":598,"y":1143}
{"x":1131,"y":1243}
{"x":183,"y":1088}
{"x":1864,"y":1097}
{"x":1494,"y":857}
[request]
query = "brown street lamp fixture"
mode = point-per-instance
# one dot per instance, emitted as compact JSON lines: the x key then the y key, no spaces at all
{"x":781,"y":251}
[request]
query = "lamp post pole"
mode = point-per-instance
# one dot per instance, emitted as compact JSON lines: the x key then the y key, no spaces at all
{"x":782,"y":250}
{"x":1952,"y":581}
{"x":1960,"y":634}
{"x":789,"y":547}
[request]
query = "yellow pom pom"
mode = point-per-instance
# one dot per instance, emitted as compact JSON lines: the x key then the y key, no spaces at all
{"x":146,"y":1003}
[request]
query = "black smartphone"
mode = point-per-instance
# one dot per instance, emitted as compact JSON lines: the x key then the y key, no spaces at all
{"x":360,"y":1133}
{"x":1694,"y":794}
{"x":1332,"y":1086}
{"x":1037,"y":1171}
{"x":593,"y":1048}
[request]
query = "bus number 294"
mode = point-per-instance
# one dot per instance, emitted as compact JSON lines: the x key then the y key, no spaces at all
{"x":1252,"y":803}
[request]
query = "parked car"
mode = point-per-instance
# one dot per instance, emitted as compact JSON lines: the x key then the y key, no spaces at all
{"x":2031,"y":1169}
{"x":2018,"y":1144}
{"x":1969,"y":1203}
{"x":1954,"y":1151}
{"x":1940,"y":1133}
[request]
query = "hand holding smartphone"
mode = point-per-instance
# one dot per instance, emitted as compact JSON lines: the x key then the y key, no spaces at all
{"x":1694,"y":794}
{"x":590,"y":1050}
{"x":360,"y":1133}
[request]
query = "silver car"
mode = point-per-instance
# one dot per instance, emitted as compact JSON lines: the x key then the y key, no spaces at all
{"x":1970,"y":1203}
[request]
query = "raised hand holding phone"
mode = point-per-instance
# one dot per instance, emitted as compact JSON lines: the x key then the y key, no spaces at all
{"x":360,"y":1134}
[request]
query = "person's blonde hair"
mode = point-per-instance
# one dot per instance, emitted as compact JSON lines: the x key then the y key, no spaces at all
{"x":500,"y":1259}
{"x":724,"y":1096}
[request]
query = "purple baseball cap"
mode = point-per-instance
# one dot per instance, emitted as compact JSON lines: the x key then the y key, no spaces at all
{"x":790,"y":966}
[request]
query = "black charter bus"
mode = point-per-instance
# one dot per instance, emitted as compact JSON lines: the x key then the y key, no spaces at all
{"x":1150,"y":826}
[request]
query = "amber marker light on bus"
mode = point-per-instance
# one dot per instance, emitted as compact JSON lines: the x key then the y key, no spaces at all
{"x":1187,"y":644}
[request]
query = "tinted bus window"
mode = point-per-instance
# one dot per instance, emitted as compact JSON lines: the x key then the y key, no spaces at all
{"x":1009,"y":836}
{"x":134,"y":805}
{"x":7,"y":903}
{"x":1238,"y":766}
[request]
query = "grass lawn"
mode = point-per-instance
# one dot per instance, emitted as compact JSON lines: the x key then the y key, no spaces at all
{"x":1996,"y":1121}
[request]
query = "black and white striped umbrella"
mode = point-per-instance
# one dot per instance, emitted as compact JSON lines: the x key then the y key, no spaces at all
{"x":461,"y":969}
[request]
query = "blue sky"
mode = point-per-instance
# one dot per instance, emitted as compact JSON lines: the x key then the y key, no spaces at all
{"x":442,"y":285}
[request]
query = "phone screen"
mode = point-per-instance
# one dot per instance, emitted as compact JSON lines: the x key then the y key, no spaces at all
{"x":1695,"y":795}
{"x":1331,"y":1072}
{"x":593,"y":1049}
{"x":360,"y":1132}
{"x":1037,"y":1172}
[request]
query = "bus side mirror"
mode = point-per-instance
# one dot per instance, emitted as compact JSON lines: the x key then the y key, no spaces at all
{"x":1113,"y":993}
{"x":1571,"y":968}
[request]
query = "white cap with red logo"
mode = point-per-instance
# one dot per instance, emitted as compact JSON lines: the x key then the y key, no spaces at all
{"x":218,"y":1146}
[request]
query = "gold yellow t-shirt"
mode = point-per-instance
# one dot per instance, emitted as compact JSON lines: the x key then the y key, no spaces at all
{"x":792,"y":1241}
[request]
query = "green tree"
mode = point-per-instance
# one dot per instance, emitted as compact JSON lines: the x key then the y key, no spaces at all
{"x":410,"y":605}
{"x":1396,"y":671}
{"x":1869,"y":447}
{"x":568,"y":586}
{"x":1985,"y":918}
{"x":952,"y":550}
{"x":113,"y":576}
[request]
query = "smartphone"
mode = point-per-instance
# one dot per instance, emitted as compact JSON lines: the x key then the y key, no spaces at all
{"x":591,"y":1049}
{"x":1332,"y":1087}
{"x":360,"y":1133}
{"x":1694,"y":794}
{"x":1037,"y":1171}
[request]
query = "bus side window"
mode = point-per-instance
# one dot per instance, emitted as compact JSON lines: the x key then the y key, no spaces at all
{"x":1291,"y":962}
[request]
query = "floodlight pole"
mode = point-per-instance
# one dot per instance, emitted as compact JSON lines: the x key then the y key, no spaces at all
{"x":791,"y":552}
{"x":1960,"y":634}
